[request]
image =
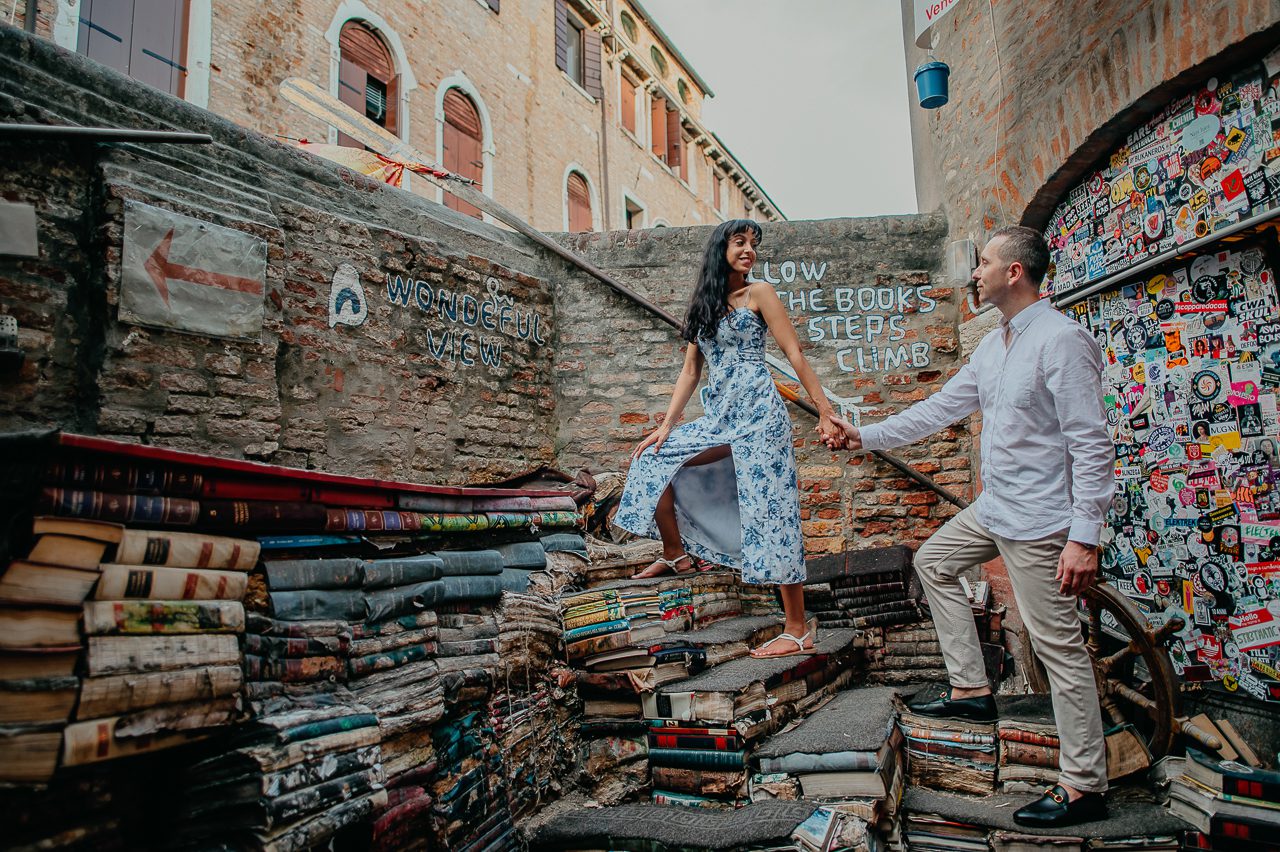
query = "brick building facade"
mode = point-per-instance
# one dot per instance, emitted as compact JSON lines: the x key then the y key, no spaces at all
{"x":575,"y":114}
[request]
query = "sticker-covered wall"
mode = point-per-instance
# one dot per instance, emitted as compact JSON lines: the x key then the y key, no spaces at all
{"x":1207,"y":161}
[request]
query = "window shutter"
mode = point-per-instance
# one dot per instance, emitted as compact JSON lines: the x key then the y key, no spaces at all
{"x":658,"y":127}
{"x":351,"y":91}
{"x":673,"y":138}
{"x":155,"y":54}
{"x":562,"y":36}
{"x":393,"y":104}
{"x":463,"y":154}
{"x":627,"y":104}
{"x":579,"y":204}
{"x":358,"y":44}
{"x":106,"y":33}
{"x":591,"y":63}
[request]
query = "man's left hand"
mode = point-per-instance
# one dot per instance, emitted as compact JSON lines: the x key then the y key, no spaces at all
{"x":1077,"y":568}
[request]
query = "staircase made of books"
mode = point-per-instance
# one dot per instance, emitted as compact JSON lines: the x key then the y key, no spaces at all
{"x":287,"y":659}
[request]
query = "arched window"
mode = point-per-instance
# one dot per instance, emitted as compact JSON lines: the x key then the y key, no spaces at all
{"x":463,"y":143}
{"x":367,"y":81}
{"x":579,"y":203}
{"x":683,"y":88}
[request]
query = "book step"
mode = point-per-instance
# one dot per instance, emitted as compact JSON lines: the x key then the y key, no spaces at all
{"x":568,"y":825}
{"x":740,"y":673}
{"x":652,"y":582}
{"x":1132,"y":813}
{"x":856,"y":721}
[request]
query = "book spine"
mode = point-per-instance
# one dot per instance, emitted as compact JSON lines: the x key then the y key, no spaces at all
{"x":391,"y":641}
{"x":1266,"y":791}
{"x":284,"y":647}
{"x":132,"y":654}
{"x":1017,"y":735}
{"x":293,"y":574}
{"x":697,"y":758}
{"x":293,"y":670}
{"x":108,"y":696}
{"x":600,"y":629}
{"x":125,"y":478}
{"x":399,"y":624}
{"x":120,"y":508}
{"x":598,"y":645}
{"x":694,"y":741}
{"x":347,"y":605}
{"x":698,"y":782}
{"x":119,"y":582}
{"x":103,"y":618}
{"x":1028,"y":754}
{"x":264,"y":516}
{"x":359,"y":666}
{"x":387,"y":573}
{"x":95,"y":740}
{"x":186,"y":550}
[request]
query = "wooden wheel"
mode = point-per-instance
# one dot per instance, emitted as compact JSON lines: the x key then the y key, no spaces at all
{"x":1131,"y":667}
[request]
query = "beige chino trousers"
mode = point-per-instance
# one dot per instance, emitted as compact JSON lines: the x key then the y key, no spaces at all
{"x":1051,"y":622}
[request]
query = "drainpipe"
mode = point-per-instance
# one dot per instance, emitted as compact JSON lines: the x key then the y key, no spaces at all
{"x":29,"y":22}
{"x":606,"y":199}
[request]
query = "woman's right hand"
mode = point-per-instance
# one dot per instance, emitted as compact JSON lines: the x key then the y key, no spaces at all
{"x":653,"y":439}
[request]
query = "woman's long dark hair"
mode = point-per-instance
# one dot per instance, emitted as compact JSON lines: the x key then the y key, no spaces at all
{"x":708,"y":304}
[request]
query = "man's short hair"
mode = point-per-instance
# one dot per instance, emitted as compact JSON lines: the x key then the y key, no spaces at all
{"x":1026,"y":246}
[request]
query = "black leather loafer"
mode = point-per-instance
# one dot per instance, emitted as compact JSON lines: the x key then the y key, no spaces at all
{"x":981,"y":708}
{"x":1053,"y":809}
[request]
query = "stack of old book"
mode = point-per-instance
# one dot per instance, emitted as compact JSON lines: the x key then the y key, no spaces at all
{"x":529,"y":730}
{"x":948,"y":754}
{"x":471,"y":810}
{"x":830,"y":829}
{"x":691,"y":763}
{"x":391,"y":668}
{"x":606,"y":629}
{"x":529,"y":636}
{"x":161,"y":615}
{"x":929,"y":832}
{"x":910,"y":653}
{"x":847,"y":755}
{"x":1233,"y":805}
{"x":308,"y":767}
{"x":862,"y":588}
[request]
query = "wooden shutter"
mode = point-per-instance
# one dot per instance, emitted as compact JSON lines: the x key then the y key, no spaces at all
{"x":579,"y":204}
{"x":627,"y":104}
{"x":591,"y":63}
{"x":351,"y":83}
{"x":158,"y":43}
{"x":658,"y":127}
{"x":358,"y":44}
{"x":463,"y":154}
{"x":106,"y":33}
{"x":674,"y":137}
{"x":562,"y":36}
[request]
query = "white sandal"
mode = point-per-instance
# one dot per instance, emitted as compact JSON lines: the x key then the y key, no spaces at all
{"x":801,"y":651}
{"x":670,"y":564}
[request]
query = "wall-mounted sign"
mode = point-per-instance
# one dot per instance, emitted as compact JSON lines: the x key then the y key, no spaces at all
{"x":928,"y":13}
{"x":189,"y":275}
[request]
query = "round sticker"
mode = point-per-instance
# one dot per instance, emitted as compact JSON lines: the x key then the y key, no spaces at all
{"x":1212,"y":577}
{"x":1165,"y":309}
{"x":1201,"y":131}
{"x":1142,"y":583}
{"x":1157,"y":524}
{"x":1161,"y":438}
{"x":1204,"y":288}
{"x":1230,"y":683}
{"x":1159,"y":483}
{"x":1187,"y":497}
{"x":1206,"y":384}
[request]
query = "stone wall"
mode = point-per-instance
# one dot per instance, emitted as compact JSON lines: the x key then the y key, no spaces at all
{"x":389,"y":383}
{"x":841,"y":279}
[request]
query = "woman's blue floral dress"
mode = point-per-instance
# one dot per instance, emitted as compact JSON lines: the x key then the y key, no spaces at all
{"x":742,"y":512}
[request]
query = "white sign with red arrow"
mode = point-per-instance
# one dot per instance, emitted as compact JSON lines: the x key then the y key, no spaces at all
{"x":193,"y":276}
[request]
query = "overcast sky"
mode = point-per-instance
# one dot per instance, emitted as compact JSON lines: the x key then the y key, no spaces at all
{"x":811,"y":96}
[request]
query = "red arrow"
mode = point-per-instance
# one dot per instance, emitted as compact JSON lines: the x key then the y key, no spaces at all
{"x":162,"y":271}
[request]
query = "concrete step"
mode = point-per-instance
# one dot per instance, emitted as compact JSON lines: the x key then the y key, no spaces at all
{"x":569,"y":825}
{"x":736,"y":675}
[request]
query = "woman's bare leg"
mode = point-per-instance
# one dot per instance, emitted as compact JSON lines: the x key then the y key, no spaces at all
{"x":665,"y":517}
{"x":793,"y":611}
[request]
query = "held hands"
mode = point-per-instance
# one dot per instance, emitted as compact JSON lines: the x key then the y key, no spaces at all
{"x":654,"y":439}
{"x":1077,"y":568}
{"x":839,"y":434}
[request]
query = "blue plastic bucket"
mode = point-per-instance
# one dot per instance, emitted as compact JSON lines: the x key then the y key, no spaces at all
{"x":931,"y":84}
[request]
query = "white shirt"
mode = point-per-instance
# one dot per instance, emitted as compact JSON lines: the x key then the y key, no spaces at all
{"x":1047,"y":460}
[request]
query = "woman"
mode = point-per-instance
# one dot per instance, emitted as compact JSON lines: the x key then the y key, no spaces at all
{"x":723,"y":487}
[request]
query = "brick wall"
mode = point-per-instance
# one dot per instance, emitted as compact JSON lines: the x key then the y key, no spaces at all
{"x":1077,"y":77}
{"x":390,"y":396}
{"x":617,"y":365}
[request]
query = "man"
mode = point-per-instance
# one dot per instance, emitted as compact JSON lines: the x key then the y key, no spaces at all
{"x":1047,"y":482}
